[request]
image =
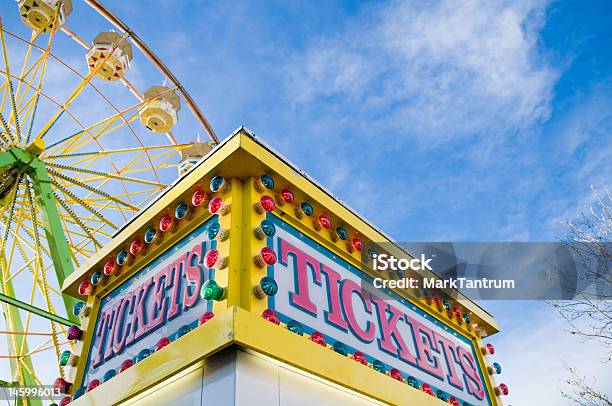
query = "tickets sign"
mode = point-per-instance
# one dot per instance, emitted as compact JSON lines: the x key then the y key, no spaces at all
{"x":161,"y":300}
{"x":325,"y":293}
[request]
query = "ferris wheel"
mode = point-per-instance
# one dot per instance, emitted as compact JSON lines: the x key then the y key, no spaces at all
{"x":92,"y":126}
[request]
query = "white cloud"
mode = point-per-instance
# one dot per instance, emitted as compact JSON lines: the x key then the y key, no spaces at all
{"x":437,"y":69}
{"x":535,"y":356}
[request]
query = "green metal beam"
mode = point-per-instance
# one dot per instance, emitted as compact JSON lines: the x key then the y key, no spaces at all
{"x":17,"y":345}
{"x":35,"y":310}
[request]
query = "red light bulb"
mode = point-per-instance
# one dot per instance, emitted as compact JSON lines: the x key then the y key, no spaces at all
{"x":110,"y":267}
{"x":271,"y":316}
{"x":287,"y":196}
{"x":265,"y":204}
{"x":453,"y":401}
{"x":85,"y":288}
{"x":166,"y":223}
{"x":93,"y":385}
{"x":357,"y":244}
{"x":164,"y":341}
{"x":137,"y":247}
{"x":396,"y":374}
{"x":427,"y":389}
{"x":214,"y":260}
{"x":360,"y":357}
{"x":62,"y":385}
{"x":216,"y":205}
{"x":198,"y":198}
{"x":324,"y":221}
{"x":502,"y":389}
{"x":488,"y":349}
{"x":126,"y":364}
{"x":205,"y":317}
{"x":265,"y":257}
{"x":318,"y":338}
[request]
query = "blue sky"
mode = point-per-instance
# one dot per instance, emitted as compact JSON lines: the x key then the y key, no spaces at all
{"x":438,"y":121}
{"x":479,"y":121}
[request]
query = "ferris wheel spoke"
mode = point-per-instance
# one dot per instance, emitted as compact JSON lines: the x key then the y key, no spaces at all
{"x":104,"y":175}
{"x":10,"y":82}
{"x":75,"y":93}
{"x":105,"y":125}
{"x":76,"y":219}
{"x":83,"y":204}
{"x":92,"y":189}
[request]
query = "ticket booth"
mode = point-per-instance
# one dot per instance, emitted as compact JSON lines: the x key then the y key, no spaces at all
{"x":246,"y":283}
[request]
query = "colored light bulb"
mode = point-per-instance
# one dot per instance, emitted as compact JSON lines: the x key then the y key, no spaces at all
{"x":65,"y":401}
{"x":85,"y":288}
{"x":126,"y":364}
{"x":205,"y":317}
{"x":151,"y":235}
{"x":218,"y":184}
{"x":74,"y":333}
{"x":454,"y":401}
{"x":166,"y":224}
{"x":182,"y":211}
{"x":324,"y":221}
{"x":110,"y":268}
{"x":440,"y":394}
{"x":447,"y":305}
{"x":184,"y":329}
{"x":287,"y":196}
{"x":318,"y":338}
{"x":265,"y":229}
{"x":436,"y":299}
{"x":501,"y":389}
{"x":497,"y":368}
{"x":161,"y":343}
{"x":340,"y":348}
{"x":78,"y":308}
{"x":136,"y":247}
{"x":67,"y":358}
{"x":295,"y":327}
{"x":488,"y":349}
{"x":62,"y":385}
{"x":357,"y":244}
{"x":211,"y":291}
{"x":412,"y":381}
{"x":457,"y":312}
{"x":271,"y":316}
{"x":342,"y":233}
{"x":198,"y":198}
{"x":306,"y":208}
{"x":265,"y":257}
{"x":267,"y":287}
{"x":360,"y":357}
{"x":267,"y":181}
{"x":109,"y":374}
{"x":93,"y":385}
{"x":379,"y":366}
{"x":78,"y":393}
{"x":96,"y":278}
{"x":123,"y":257}
{"x":396,"y":374}
{"x":216,"y":205}
{"x":213,"y":230}
{"x":425,"y":387}
{"x":265,"y":204}
{"x":143,"y":354}
{"x":467,"y":318}
{"x":214,"y":260}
